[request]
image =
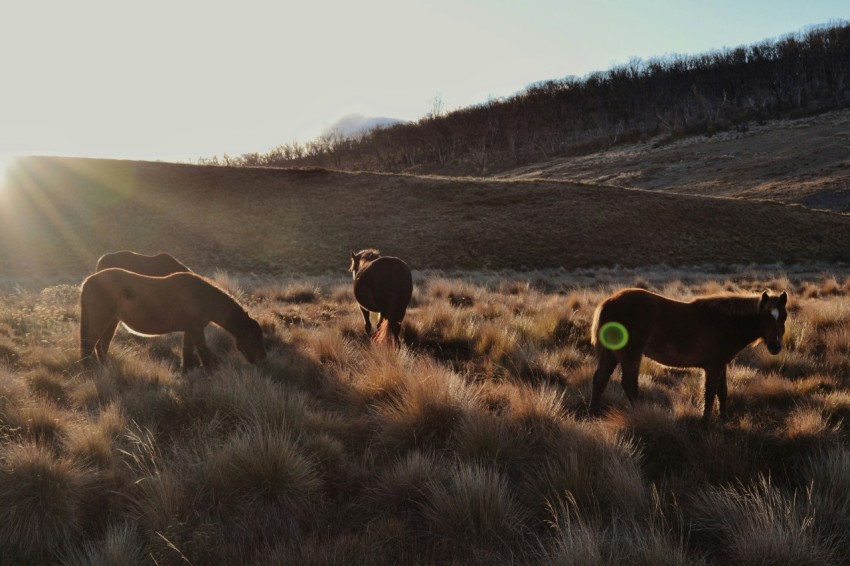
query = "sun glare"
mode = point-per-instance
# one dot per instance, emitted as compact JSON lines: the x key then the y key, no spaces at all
{"x":6,"y":161}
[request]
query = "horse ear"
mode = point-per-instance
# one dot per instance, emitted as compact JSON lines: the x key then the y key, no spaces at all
{"x":353,"y":255}
{"x":783,"y":298}
{"x":764,"y":297}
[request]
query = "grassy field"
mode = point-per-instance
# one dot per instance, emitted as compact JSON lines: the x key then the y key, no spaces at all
{"x":469,"y":445}
{"x":57,"y":216}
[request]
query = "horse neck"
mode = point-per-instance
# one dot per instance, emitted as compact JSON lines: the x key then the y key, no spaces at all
{"x":743,"y":329}
{"x":227,"y":313}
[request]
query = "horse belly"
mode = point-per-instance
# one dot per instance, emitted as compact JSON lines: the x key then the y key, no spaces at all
{"x":149,"y":323}
{"x":672,"y":355}
{"x":146,"y":329}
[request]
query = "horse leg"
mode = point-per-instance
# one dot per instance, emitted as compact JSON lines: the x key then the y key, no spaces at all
{"x":721,"y":393}
{"x":396,"y":315}
{"x":395,"y":329}
{"x":606,"y":364}
{"x":712,"y":381}
{"x":197,"y":338}
{"x":88,"y":339}
{"x":102,"y":346}
{"x":631,"y":370}
{"x":190,"y":360}
{"x":93,"y":328}
{"x":368,"y":325}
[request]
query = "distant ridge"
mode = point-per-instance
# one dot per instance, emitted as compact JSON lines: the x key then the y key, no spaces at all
{"x":59,"y":214}
{"x":663,"y":99}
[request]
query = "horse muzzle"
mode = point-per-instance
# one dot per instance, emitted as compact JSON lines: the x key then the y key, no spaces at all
{"x":774,"y":347}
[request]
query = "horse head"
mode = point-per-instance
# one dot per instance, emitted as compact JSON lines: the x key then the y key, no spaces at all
{"x":360,"y":259}
{"x":772,"y":315}
{"x":249,"y":341}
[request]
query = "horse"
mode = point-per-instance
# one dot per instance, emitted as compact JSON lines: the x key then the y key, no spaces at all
{"x":706,"y":332}
{"x":158,"y":265}
{"x":383,"y":285}
{"x":180,"y":302}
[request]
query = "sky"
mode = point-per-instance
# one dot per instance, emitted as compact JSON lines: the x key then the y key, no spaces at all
{"x":176,"y":80}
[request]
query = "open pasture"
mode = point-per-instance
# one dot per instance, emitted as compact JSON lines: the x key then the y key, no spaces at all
{"x":469,"y":444}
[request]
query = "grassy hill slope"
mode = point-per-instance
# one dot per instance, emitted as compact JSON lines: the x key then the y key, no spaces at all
{"x":805,"y":161}
{"x":57,"y":215}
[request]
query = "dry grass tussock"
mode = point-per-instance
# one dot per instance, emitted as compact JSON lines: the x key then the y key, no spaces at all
{"x":469,"y":444}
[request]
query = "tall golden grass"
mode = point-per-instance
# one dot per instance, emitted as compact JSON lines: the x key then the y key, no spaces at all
{"x":470,"y":444}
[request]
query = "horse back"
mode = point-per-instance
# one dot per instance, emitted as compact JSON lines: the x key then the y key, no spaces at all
{"x":158,"y":265}
{"x":633,"y":308}
{"x":123,"y":284}
{"x":385,"y":284}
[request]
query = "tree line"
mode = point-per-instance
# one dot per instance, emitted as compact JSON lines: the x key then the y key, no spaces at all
{"x":661,"y":98}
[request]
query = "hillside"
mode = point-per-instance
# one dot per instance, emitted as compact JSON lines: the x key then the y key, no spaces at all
{"x":60,"y":214}
{"x":805,"y":161}
{"x":664,"y":98}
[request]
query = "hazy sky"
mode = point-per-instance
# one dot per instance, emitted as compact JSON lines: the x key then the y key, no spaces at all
{"x":182,"y":79}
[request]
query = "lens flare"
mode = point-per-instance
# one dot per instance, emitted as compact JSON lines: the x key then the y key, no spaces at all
{"x":5,"y":163}
{"x":613,"y":335}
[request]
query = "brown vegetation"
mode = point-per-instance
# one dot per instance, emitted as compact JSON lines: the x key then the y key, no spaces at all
{"x":470,"y":444}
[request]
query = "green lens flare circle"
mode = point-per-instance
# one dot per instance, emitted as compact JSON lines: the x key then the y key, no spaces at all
{"x":613,"y":335}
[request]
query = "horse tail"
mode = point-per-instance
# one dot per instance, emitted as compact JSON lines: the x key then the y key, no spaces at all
{"x":86,"y":343}
{"x":384,"y":335}
{"x":84,"y":329}
{"x":594,"y":327}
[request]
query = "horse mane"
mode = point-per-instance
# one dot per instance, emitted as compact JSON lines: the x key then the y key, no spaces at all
{"x":368,"y":254}
{"x":363,"y":257}
{"x":221,"y":292}
{"x":734,"y":305}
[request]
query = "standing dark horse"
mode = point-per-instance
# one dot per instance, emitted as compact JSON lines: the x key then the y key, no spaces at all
{"x":181,"y":302}
{"x":158,"y":265}
{"x":706,"y":332}
{"x":383,"y":285}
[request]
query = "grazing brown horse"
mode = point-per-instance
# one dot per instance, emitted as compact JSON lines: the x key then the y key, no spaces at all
{"x":158,"y":265}
{"x":180,"y":302}
{"x":706,"y":332}
{"x":383,"y":285}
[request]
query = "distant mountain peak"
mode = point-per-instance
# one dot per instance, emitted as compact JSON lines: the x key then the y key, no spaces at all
{"x":353,"y":125}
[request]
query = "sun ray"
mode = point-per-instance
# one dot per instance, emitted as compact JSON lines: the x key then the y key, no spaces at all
{"x":7,"y":161}
{"x":35,"y":223}
{"x":52,"y":211}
